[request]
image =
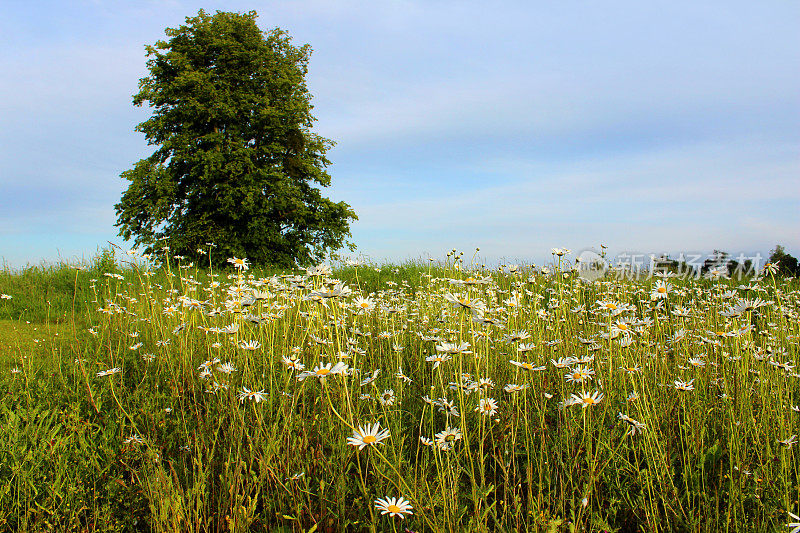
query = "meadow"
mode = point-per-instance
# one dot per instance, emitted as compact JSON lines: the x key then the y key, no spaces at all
{"x":428,"y":396}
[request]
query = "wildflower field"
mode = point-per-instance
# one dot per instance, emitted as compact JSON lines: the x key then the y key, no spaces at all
{"x":436,"y":396}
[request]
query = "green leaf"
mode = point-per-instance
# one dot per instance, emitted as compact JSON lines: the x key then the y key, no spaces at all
{"x":236,"y":162}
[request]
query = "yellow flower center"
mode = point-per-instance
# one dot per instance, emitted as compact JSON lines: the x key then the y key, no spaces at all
{"x":611,"y":306}
{"x":365,"y":304}
{"x":589,"y":400}
{"x":577,"y":375}
{"x":369,"y":439}
{"x":527,"y":366}
{"x":623,"y":327}
{"x":662,"y":290}
{"x":393,"y":509}
{"x":323,"y":372}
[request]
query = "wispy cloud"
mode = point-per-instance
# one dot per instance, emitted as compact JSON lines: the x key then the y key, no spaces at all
{"x":647,"y":125}
{"x":682,"y":198}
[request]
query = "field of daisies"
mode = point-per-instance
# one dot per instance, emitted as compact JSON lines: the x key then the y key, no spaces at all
{"x":434,"y":396}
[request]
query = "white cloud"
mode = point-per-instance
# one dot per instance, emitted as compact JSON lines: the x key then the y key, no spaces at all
{"x":515,"y":128}
{"x":682,"y":198}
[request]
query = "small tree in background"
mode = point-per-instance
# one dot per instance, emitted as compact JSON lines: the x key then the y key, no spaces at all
{"x":236,"y":162}
{"x":787,"y":264}
{"x":720,"y":259}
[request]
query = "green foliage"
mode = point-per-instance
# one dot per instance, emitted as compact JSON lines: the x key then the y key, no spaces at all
{"x":236,"y":162}
{"x":105,"y":261}
{"x":39,"y":293}
{"x":53,"y":292}
{"x":157,"y":446}
{"x":60,"y":460}
{"x":787,"y":264}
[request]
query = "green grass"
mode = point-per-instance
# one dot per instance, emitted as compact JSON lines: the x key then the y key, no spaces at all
{"x":162,"y":446}
{"x":52,"y":293}
{"x":16,"y":334}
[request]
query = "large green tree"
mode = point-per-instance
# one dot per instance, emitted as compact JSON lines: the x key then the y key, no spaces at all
{"x":787,"y":263}
{"x":236,"y":161}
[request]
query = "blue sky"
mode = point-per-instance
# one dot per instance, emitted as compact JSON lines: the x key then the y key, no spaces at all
{"x":510,"y":126}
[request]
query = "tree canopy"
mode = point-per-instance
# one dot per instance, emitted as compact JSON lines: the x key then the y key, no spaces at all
{"x":236,"y":163}
{"x":787,"y":263}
